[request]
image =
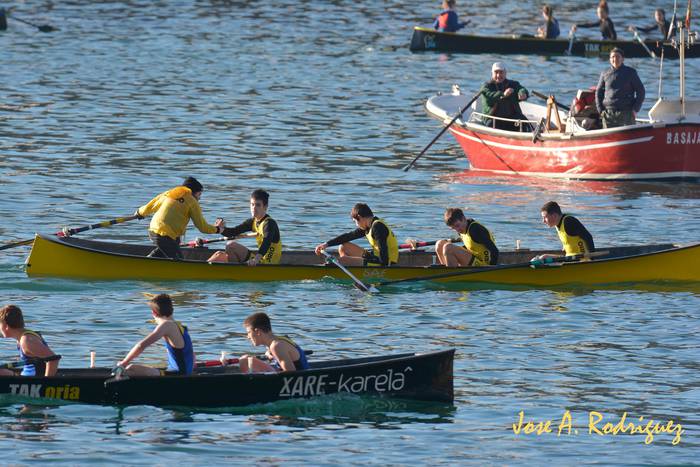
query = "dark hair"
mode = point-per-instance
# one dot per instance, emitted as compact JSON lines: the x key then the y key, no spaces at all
{"x":661,"y":10}
{"x":261,"y":195}
{"x":603,"y":5}
{"x":258,"y":321}
{"x":361,"y":210}
{"x":162,"y":305}
{"x":12,"y":316}
{"x":452,"y":215}
{"x":551,"y":207}
{"x":617,"y":50}
{"x":193,"y":184}
{"x":547,"y":10}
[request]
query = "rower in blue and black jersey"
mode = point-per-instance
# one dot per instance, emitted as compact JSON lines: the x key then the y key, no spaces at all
{"x":284,"y":353}
{"x":299,"y":364}
{"x":34,"y":352}
{"x":180,"y":360}
{"x":385,"y":247}
{"x":178,"y":344}
{"x":604,"y":23}
{"x":659,"y":29}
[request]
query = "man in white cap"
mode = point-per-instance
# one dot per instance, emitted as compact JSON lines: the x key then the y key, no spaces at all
{"x":501,"y":97}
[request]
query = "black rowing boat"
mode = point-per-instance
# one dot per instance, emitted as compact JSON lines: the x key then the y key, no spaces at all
{"x":420,"y":376}
{"x":426,"y":39}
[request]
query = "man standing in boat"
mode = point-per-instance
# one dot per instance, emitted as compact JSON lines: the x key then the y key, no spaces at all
{"x":501,"y":97}
{"x":385,"y":248}
{"x":267,"y":236}
{"x":172,"y":211}
{"x":479,"y":246}
{"x":620,"y":93}
{"x":575,"y":238}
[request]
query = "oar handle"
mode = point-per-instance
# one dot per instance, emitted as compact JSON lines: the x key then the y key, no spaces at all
{"x":542,"y":96}
{"x":232,"y":361}
{"x":66,"y":232}
{"x":30,"y":361}
{"x":204,"y":241}
{"x":458,"y":116}
{"x":406,"y":246}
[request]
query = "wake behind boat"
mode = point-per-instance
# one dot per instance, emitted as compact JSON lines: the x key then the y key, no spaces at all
{"x":428,"y":39}
{"x":76,"y":258}
{"x":419,"y":376}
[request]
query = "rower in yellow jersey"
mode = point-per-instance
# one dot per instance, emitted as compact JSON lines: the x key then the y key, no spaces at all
{"x":479,"y":246}
{"x":385,"y":248}
{"x":575,"y":238}
{"x":268,"y":236}
{"x":172,"y":211}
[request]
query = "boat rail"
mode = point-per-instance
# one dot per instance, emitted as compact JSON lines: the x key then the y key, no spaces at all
{"x":478,"y":117}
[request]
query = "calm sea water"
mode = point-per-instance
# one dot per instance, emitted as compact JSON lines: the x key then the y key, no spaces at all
{"x":321,"y":104}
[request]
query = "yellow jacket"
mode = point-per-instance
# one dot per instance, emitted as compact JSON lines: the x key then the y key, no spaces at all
{"x":172,"y":211}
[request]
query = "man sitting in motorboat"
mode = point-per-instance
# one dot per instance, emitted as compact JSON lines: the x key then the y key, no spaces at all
{"x":661,"y":26}
{"x":620,"y":93}
{"x":448,"y":20}
{"x":284,"y":353}
{"x":607,"y":28}
{"x":479,"y":246}
{"x":500,"y":97}
{"x":575,"y":238}
{"x":550,"y":29}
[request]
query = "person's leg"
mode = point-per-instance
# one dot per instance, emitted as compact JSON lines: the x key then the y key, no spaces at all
{"x":141,"y":370}
{"x":166,"y":247}
{"x":259,"y":366}
{"x":218,"y":257}
{"x":351,"y":254}
{"x":236,"y":252}
{"x":440,"y":250}
{"x":457,"y":256}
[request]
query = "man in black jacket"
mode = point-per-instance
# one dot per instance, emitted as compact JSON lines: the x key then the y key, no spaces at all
{"x":620,"y":93}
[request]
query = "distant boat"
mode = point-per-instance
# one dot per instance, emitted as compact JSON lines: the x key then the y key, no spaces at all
{"x":549,"y":142}
{"x":427,"y":39}
{"x":419,"y":376}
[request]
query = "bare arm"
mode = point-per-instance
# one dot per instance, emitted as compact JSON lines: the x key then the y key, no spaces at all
{"x":34,"y":347}
{"x":283,"y":352}
{"x":136,"y":350}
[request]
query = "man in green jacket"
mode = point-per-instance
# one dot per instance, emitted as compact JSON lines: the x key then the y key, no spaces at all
{"x":501,"y":97}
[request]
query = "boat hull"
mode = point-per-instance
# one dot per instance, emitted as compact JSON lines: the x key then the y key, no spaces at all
{"x":84,"y":259}
{"x":632,"y":154}
{"x":427,"y":376}
{"x":426,"y":39}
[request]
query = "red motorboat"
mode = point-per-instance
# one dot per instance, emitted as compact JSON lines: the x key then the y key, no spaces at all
{"x":554,"y":143}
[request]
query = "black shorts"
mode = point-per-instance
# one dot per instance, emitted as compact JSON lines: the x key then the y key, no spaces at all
{"x":166,"y":247}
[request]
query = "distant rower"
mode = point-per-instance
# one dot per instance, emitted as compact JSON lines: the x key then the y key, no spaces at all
{"x":448,"y":20}
{"x":607,"y":28}
{"x":661,"y":26}
{"x":550,"y":29}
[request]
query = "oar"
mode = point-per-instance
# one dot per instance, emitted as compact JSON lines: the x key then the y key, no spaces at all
{"x":66,"y":232}
{"x":534,"y":264}
{"x":571,"y":42}
{"x":639,"y":39}
{"x":458,"y":116}
{"x":203,"y":241}
{"x":29,"y":361}
{"x":42,"y":27}
{"x":358,"y":283}
{"x":407,"y":245}
{"x":232,"y":361}
{"x":542,"y":96}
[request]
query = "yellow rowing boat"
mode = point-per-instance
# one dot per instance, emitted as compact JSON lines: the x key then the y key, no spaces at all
{"x":88,"y":259}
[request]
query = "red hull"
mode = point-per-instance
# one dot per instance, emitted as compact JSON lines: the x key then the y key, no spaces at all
{"x":645,"y":152}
